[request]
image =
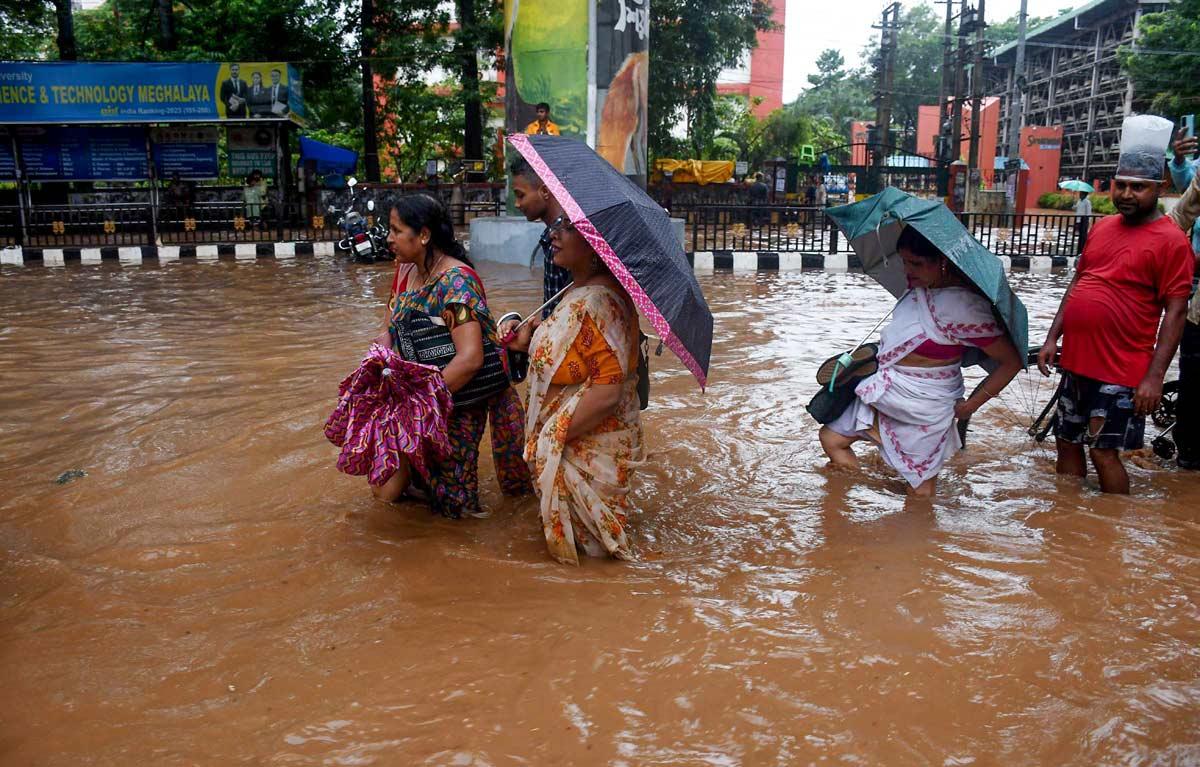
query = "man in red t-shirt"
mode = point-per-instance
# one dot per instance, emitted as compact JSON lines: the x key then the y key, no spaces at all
{"x":1135,"y":266}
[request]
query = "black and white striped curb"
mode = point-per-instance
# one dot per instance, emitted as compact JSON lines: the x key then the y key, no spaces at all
{"x":136,"y":254}
{"x":701,"y":261}
{"x":764,"y":261}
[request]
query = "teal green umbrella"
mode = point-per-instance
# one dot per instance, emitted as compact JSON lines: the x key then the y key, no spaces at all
{"x":873,"y":225}
{"x":1075,"y":185}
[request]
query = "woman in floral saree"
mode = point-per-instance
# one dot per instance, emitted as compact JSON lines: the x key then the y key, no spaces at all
{"x":583,"y":433}
{"x":435,"y":277}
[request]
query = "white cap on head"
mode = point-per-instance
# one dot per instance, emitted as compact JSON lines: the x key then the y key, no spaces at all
{"x":1144,"y":142}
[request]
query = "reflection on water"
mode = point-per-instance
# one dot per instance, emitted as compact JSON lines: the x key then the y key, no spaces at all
{"x":214,"y":591}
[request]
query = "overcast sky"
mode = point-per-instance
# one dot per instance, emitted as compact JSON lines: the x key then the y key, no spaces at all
{"x":814,"y":25}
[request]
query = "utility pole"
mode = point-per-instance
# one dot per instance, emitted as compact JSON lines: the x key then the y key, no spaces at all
{"x":947,"y":83}
{"x":885,"y":76}
{"x":1016,"y":90}
{"x":942,"y":145}
{"x":960,"y":85}
{"x":976,"y":98}
{"x":370,"y":134}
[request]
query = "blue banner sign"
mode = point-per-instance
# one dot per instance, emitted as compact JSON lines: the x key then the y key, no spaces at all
{"x":83,"y":154}
{"x":189,"y":152}
{"x":99,"y":92}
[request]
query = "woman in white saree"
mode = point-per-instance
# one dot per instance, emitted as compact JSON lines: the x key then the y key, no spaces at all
{"x":583,"y":433}
{"x":908,"y":405}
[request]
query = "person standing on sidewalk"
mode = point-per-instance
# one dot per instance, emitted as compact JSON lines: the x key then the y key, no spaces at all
{"x":1136,"y":269}
{"x":1083,"y":219}
{"x":1185,"y":173}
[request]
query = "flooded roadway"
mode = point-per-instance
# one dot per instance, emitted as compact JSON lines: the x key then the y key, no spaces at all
{"x":214,"y":592}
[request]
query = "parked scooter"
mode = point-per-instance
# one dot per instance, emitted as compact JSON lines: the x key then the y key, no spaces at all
{"x":367,"y":244}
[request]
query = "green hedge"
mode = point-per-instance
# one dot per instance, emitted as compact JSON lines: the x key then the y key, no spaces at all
{"x":1057,"y":201}
{"x":1101,"y":204}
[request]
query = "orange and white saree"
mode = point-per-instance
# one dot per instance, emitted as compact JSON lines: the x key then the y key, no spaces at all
{"x":583,"y":485}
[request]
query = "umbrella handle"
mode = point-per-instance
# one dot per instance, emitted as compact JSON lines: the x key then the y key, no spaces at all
{"x":847,"y":359}
{"x":882,"y":319}
{"x":513,"y":333}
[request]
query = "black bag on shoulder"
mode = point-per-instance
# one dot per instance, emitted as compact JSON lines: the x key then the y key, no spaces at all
{"x":419,"y":339}
{"x":826,"y":406}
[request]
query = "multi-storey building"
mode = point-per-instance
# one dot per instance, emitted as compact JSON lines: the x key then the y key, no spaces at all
{"x":1073,"y":78}
{"x":760,"y":75}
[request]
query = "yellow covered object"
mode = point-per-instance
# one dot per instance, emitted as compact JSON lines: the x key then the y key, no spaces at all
{"x":696,"y":171}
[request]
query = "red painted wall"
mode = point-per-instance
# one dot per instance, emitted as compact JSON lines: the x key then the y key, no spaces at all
{"x":860,"y":133}
{"x":766,"y":65}
{"x":766,"y":69}
{"x":1041,"y":149}
{"x":927,"y":129}
{"x":989,"y":129}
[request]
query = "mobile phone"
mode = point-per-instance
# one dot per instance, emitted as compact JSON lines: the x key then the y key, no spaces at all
{"x":1188,"y":125}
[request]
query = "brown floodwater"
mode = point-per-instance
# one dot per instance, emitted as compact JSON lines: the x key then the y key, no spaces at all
{"x":213,"y":591}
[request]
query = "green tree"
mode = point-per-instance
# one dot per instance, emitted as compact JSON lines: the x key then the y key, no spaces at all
{"x":424,"y":119}
{"x":741,"y":133}
{"x":28,"y":27}
{"x":1165,"y":63}
{"x":831,"y":69}
{"x":843,"y":96}
{"x":691,"y":42}
{"x":743,"y":136}
{"x":835,"y":94}
{"x":918,"y":76}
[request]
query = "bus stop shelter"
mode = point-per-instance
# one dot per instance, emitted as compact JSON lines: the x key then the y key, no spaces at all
{"x":66,"y":128}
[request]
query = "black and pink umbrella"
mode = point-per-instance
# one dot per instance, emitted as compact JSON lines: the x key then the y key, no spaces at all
{"x":633,"y":235}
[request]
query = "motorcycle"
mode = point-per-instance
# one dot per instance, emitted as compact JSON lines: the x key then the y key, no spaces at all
{"x":367,"y":244}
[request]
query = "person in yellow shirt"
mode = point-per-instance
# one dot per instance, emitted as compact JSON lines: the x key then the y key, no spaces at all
{"x":542,"y":125}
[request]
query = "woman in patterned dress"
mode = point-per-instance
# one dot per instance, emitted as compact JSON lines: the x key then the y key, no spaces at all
{"x":583,"y":433}
{"x":434,"y":276}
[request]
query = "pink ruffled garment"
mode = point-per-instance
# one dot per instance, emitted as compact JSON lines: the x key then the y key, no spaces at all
{"x":387,"y":409}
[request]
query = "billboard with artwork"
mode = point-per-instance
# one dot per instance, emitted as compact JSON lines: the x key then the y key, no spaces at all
{"x":622,"y":79}
{"x":547,"y":44}
{"x":104,"y":92}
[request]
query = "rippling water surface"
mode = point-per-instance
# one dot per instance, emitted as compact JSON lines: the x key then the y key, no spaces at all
{"x":214,"y":592}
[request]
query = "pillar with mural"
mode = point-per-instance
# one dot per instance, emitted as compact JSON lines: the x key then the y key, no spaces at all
{"x":589,"y":60}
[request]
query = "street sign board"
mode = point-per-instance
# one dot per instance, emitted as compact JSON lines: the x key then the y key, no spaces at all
{"x":93,"y":153}
{"x":189,"y":151}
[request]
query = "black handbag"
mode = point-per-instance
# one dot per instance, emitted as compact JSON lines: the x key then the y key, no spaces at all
{"x":826,"y":406}
{"x":418,"y":338}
